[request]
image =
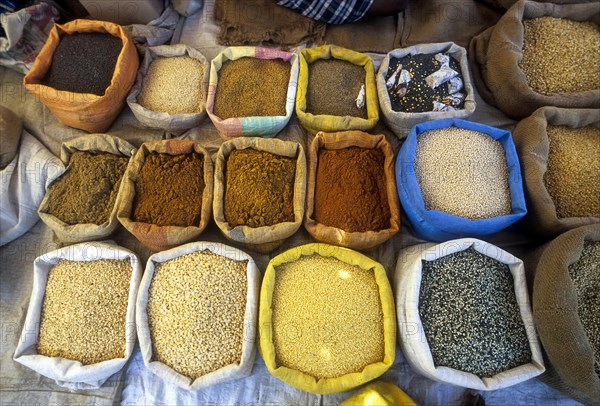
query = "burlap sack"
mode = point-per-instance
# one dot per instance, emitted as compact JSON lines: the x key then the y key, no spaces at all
{"x":86,"y":231}
{"x":10,"y":135}
{"x":86,"y":111}
{"x":155,"y":237}
{"x":555,"y":314}
{"x":531,"y":141}
{"x":337,"y":236}
{"x":67,"y":373}
{"x":411,"y":336}
{"x":260,"y":239}
{"x":495,"y":54}
{"x":161,"y":119}
{"x":226,"y":373}
{"x":400,"y":122}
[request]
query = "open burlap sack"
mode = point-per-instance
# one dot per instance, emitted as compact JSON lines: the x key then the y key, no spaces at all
{"x":495,"y":55}
{"x":555,"y":313}
{"x":260,"y":239}
{"x":153,"y":236}
{"x":94,"y":143}
{"x":531,"y":141}
{"x":337,"y":236}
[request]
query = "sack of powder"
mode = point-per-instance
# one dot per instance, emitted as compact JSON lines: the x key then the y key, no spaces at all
{"x":86,"y":111}
{"x":80,"y":287}
{"x":401,"y":122}
{"x":161,"y":237}
{"x":416,"y":342}
{"x":265,"y":238}
{"x":370,"y":216}
{"x":69,"y":231}
{"x":496,"y":56}
{"x":172,"y":86}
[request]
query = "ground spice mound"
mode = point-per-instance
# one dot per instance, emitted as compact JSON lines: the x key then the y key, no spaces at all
{"x":259,"y":188}
{"x":350,"y":191}
{"x":87,"y":191}
{"x":333,"y":86}
{"x":168,"y":190}
{"x":251,"y":87}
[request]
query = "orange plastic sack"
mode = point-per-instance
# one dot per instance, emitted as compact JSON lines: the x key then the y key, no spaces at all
{"x":85,"y":111}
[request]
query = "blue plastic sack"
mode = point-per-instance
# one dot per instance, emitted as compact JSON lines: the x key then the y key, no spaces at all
{"x":434,"y":225}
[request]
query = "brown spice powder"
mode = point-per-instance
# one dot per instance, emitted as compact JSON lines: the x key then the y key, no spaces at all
{"x":87,"y":191}
{"x":168,"y":190}
{"x":259,"y":188}
{"x":350,"y":190}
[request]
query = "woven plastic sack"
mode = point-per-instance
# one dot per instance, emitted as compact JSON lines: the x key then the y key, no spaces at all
{"x":161,"y":119}
{"x":264,"y":126}
{"x":71,"y":374}
{"x":307,"y":382}
{"x":495,"y":55}
{"x":322,"y":122}
{"x":401,"y":122}
{"x":569,"y":351}
{"x":226,"y":373}
{"x":268,"y":238}
{"x":86,"y":231}
{"x":337,"y":236}
{"x":436,"y":225}
{"x":85,"y":111}
{"x":412,"y":338}
{"x":153,"y":236}
{"x":531,"y":141}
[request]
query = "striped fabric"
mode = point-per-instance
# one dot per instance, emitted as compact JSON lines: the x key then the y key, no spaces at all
{"x":329,"y":11}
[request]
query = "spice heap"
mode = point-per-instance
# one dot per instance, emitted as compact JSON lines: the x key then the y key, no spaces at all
{"x":250,"y":87}
{"x":87,"y":191}
{"x":259,"y":188}
{"x":168,"y":190}
{"x":350,"y":190}
{"x":585,"y":274}
{"x":572,"y":176}
{"x":561,"y":56}
{"x":327,"y":317}
{"x":84,"y":63}
{"x":84,"y":312}
{"x":173,"y":85}
{"x":334,"y":86}
{"x":196,"y":307}
{"x":462,"y":172}
{"x":470,"y":314}
{"x":425,"y":82}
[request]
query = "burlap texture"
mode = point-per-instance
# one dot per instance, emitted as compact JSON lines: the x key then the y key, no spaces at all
{"x":557,"y":321}
{"x":495,"y":55}
{"x":531,"y":141}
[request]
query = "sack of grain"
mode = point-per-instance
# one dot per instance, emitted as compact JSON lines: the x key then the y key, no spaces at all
{"x":565,"y":308}
{"x":198,"y":343}
{"x":167,"y":193}
{"x":533,"y":145}
{"x":464,"y":316}
{"x":89,"y":112}
{"x":352,"y":201}
{"x":363,"y":92}
{"x":11,"y":128}
{"x":245,"y":106}
{"x":562,"y":64}
{"x":270,"y":196}
{"x":170,"y":91}
{"x":401,"y":122}
{"x":327,"y":320}
{"x":458,"y":178}
{"x":80,"y":324}
{"x":84,"y":206}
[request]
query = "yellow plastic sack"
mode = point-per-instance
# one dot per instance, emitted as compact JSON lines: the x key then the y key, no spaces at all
{"x":321,"y":122}
{"x":307,"y":382}
{"x":379,"y":394}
